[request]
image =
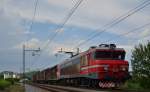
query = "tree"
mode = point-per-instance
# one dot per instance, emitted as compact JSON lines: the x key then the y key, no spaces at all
{"x":1,"y":76}
{"x":141,"y":64}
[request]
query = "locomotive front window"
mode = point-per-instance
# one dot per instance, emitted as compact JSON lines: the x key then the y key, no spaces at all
{"x":118,"y":55}
{"x":110,"y":55}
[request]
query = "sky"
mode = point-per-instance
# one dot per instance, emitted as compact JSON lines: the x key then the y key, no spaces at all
{"x":90,"y":17}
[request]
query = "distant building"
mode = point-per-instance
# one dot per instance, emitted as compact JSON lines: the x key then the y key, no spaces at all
{"x":9,"y":74}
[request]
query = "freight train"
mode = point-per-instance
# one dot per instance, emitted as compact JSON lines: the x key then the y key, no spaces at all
{"x":100,"y":66}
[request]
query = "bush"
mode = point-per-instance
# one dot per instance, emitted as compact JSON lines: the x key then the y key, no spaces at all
{"x":11,"y":80}
{"x":4,"y":84}
{"x":145,"y":83}
{"x":1,"y":76}
{"x":132,"y":84}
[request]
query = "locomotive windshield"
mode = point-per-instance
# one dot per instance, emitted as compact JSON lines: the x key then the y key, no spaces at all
{"x":110,"y":55}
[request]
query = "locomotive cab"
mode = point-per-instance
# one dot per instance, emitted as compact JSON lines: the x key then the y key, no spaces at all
{"x":108,"y":64}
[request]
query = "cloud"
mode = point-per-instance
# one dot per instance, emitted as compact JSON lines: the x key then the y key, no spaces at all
{"x":100,"y":12}
{"x":11,"y":31}
{"x":46,"y":48}
{"x":146,"y":32}
{"x":32,"y":43}
{"x":83,"y":16}
{"x":16,"y":16}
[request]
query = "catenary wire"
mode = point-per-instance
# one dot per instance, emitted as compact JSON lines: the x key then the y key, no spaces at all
{"x":32,"y":19}
{"x":36,"y":2}
{"x":112,"y":25}
{"x":118,"y":18}
{"x":124,"y":34}
{"x":77,"y":4}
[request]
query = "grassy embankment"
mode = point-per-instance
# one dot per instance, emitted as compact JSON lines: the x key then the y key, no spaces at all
{"x":15,"y":88}
{"x":4,"y":84}
{"x":10,"y":85}
{"x":135,"y":86}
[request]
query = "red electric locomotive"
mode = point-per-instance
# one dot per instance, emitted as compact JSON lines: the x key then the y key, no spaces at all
{"x":102,"y":66}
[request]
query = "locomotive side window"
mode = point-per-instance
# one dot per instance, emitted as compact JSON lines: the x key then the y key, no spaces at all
{"x":110,"y":55}
{"x":84,"y":61}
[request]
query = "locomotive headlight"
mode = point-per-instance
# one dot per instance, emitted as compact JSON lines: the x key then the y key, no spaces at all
{"x":106,"y":67}
{"x":123,"y":69}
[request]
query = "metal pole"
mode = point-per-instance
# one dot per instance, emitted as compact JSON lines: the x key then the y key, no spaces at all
{"x":23,"y":63}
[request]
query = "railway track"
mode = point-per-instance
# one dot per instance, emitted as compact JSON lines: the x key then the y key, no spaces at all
{"x":58,"y":88}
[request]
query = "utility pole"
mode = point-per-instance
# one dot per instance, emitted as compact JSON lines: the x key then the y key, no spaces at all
{"x":23,"y":63}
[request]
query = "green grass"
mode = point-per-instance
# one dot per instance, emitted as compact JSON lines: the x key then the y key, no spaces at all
{"x":4,"y":84}
{"x":135,"y":86}
{"x":132,"y":85}
{"x":15,"y":88}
